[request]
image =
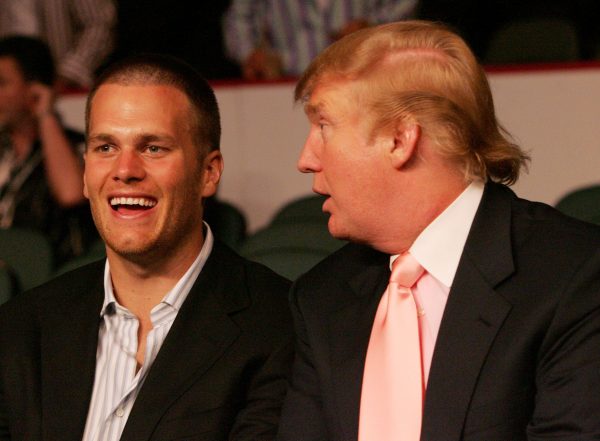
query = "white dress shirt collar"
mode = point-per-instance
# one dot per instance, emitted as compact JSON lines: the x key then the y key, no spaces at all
{"x":177,"y":295}
{"x":439,"y":246}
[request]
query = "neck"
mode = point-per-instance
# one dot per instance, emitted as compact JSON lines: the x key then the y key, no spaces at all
{"x":140,"y":283}
{"x":424,"y":198}
{"x":22,"y":135}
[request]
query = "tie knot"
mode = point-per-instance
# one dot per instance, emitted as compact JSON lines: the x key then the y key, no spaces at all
{"x":406,"y":270}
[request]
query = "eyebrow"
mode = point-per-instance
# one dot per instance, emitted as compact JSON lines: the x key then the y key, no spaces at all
{"x":145,"y":138}
{"x":313,"y":109}
{"x":142,"y":138}
{"x":99,"y":137}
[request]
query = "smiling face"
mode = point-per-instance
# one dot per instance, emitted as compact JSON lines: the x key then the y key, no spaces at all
{"x":349,"y":165}
{"x":144,"y":175}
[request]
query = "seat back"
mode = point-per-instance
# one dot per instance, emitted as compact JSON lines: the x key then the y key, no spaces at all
{"x":96,"y":251}
{"x":226,"y":221}
{"x":583,"y":204}
{"x":9,"y":285}
{"x":304,"y":209}
{"x":291,"y":249}
{"x":288,"y":261}
{"x":535,"y":40}
{"x":28,"y":253}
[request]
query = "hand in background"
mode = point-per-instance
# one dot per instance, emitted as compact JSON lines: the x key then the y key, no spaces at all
{"x":64,"y":85}
{"x":351,"y":26}
{"x":262,"y":64}
{"x":42,"y":100}
{"x":64,"y":171}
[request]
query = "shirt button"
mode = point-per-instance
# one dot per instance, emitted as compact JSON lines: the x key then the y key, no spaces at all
{"x":119,"y":412}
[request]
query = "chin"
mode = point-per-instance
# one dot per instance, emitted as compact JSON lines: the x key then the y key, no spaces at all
{"x":129,"y":252}
{"x":132,"y":248}
{"x":336,"y":231}
{"x":342,"y":232}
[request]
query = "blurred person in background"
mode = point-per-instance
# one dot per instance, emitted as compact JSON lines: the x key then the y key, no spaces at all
{"x":41,"y":170}
{"x":275,"y":38}
{"x":78,"y":32}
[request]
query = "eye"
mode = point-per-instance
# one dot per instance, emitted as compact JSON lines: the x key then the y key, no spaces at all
{"x":154,"y":149}
{"x":324,"y":129}
{"x":103,"y":148}
{"x":322,"y":126}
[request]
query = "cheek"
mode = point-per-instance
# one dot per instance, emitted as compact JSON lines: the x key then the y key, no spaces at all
{"x":182,"y":183}
{"x":95,"y":175}
{"x":341,"y":164}
{"x":88,"y":181}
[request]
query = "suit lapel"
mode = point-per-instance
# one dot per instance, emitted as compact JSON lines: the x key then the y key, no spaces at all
{"x":69,"y":337}
{"x":473,"y":315}
{"x":200,"y":334}
{"x":349,"y":328}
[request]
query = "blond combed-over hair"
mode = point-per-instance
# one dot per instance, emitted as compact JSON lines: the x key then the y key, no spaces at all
{"x":422,"y":72}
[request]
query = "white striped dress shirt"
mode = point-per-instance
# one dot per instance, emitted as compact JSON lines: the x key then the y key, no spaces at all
{"x":116,"y":383}
{"x":79,"y":33}
{"x":298,"y":30}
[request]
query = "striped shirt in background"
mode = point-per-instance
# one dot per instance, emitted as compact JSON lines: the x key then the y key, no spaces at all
{"x":298,"y":30}
{"x":78,"y":32}
{"x":116,"y":383}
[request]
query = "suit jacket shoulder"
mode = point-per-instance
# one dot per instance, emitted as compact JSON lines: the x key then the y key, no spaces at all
{"x":221,"y":371}
{"x":516,"y":356}
{"x":48,"y":336}
{"x":354,"y":266}
{"x":516,"y":335}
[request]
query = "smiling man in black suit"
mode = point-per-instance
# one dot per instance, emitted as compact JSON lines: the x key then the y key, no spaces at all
{"x":498,"y":326}
{"x":173,"y":337}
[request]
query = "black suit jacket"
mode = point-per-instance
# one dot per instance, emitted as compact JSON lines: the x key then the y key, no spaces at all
{"x":220,"y":374}
{"x":518,"y":352}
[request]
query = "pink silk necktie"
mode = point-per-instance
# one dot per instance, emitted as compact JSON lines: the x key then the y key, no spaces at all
{"x":391,"y":404}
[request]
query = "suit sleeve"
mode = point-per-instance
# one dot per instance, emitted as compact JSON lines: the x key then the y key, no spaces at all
{"x":5,"y":354}
{"x":302,"y":417}
{"x":260,"y":417}
{"x":568,"y":375}
{"x":4,"y":433}
{"x":272,"y":332}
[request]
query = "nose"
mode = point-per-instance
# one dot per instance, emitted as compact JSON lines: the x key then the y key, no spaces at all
{"x":309,"y":161}
{"x":129,"y":166}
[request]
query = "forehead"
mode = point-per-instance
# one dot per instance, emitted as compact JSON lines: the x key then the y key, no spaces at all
{"x":138,"y":103}
{"x":10,"y":67}
{"x":160,"y":93}
{"x":333,"y":98}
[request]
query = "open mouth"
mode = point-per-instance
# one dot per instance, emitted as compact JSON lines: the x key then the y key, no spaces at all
{"x":122,"y":204}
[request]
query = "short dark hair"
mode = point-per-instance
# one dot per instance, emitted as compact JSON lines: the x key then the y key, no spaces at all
{"x":32,"y":56}
{"x":158,"y":69}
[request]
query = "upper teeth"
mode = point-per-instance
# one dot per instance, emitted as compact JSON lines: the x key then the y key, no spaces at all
{"x":133,"y":201}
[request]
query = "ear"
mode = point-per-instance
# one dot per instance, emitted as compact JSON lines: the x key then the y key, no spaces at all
{"x":212,"y":169}
{"x":85,"y":190}
{"x":406,"y":139}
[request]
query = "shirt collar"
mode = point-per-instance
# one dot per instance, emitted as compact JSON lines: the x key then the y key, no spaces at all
{"x":439,"y":246}
{"x":177,"y":295}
